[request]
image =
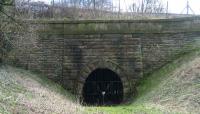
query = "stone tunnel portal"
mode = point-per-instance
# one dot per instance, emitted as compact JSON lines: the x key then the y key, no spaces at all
{"x":102,"y":87}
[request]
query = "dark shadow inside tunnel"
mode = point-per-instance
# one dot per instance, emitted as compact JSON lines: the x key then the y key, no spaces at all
{"x":102,"y":87}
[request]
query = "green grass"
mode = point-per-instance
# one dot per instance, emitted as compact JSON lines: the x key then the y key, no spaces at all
{"x":11,"y":89}
{"x":43,"y":80}
{"x":153,"y":80}
{"x":8,"y":90}
{"x":142,"y":104}
{"x":150,"y":86}
{"x":131,"y":109}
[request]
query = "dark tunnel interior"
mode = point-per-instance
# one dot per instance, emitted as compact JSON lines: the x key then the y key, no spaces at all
{"x":102,"y":87}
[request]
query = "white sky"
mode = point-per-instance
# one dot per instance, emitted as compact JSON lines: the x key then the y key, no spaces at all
{"x":175,"y":6}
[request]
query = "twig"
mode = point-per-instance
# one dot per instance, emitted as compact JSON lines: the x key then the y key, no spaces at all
{"x":6,"y":4}
{"x":10,"y":17}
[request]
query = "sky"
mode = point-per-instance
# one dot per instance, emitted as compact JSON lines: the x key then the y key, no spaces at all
{"x":175,"y":6}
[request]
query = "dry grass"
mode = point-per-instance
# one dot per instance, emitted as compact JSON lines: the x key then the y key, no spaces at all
{"x":33,"y":97}
{"x":179,"y":91}
{"x":174,"y":88}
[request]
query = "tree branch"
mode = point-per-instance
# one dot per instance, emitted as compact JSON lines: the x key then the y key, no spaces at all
{"x":10,"y":17}
{"x":6,"y":4}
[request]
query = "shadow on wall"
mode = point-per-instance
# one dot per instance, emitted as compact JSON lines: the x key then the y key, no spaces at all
{"x":102,"y":87}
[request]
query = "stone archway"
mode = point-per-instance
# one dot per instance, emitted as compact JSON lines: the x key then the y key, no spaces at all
{"x":104,"y":65}
{"x":102,"y":87}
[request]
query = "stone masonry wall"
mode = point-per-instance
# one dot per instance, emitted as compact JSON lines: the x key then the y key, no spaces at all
{"x":65,"y":56}
{"x":159,"y":49}
{"x":67,"y":51}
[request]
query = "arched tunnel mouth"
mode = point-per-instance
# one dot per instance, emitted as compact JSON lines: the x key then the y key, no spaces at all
{"x":102,"y":87}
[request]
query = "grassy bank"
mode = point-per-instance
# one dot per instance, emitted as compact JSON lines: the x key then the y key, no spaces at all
{"x":165,"y":90}
{"x":173,"y":89}
{"x":23,"y":92}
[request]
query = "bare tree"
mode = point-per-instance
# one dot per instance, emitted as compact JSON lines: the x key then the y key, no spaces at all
{"x":7,"y":25}
{"x":148,"y":6}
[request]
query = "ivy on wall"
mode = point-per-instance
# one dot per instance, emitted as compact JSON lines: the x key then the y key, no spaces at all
{"x":4,"y":15}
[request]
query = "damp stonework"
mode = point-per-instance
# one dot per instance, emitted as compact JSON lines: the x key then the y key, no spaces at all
{"x":109,"y":55}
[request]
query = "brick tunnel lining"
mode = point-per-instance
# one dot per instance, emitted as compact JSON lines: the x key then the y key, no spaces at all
{"x":102,"y":87}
